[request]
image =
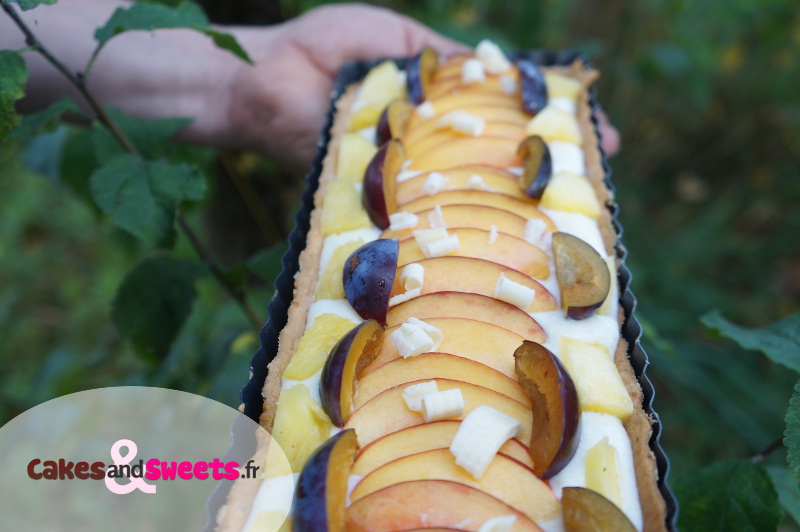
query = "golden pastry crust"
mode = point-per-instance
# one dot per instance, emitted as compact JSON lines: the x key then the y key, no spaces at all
{"x":233,"y":517}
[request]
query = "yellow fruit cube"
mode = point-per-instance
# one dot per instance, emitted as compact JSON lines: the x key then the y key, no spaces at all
{"x":343,"y":210}
{"x":300,"y":425}
{"x":613,"y":290}
{"x":330,"y":282}
{"x":355,"y":153}
{"x":315,"y":346}
{"x":600,"y":387}
{"x":554,"y":124}
{"x":559,"y":86}
{"x":383,"y":84}
{"x":571,"y":193}
{"x":602,"y":474}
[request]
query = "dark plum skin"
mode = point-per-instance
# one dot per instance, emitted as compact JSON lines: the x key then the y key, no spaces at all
{"x":368,"y":276}
{"x":378,"y":194}
{"x":319,"y":503}
{"x":585,"y":510}
{"x":537,"y":166}
{"x":534,"y":88}
{"x":555,"y":404}
{"x":382,"y":131}
{"x":347,"y":359}
{"x":583,"y":277}
{"x":419,"y":73}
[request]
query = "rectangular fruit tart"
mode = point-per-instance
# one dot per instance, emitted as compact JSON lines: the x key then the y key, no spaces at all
{"x":453,"y":357}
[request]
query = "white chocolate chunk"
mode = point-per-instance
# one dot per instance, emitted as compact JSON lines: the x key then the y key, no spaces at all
{"x":426,"y":236}
{"x":447,"y":404}
{"x":468,"y":124}
{"x":534,"y":231}
{"x":402,"y":220}
{"x":499,"y":524}
{"x":492,"y":57}
{"x":440,"y":248}
{"x":492,"y":234}
{"x":475,"y":182}
{"x":405,"y":296}
{"x":415,"y":337}
{"x":425,"y":110}
{"x":480,"y":436}
{"x":508,"y":85}
{"x":472,"y":71}
{"x":514,"y":293}
{"x":516,"y":170}
{"x":564,"y":104}
{"x":435,"y":183}
{"x":413,"y":394}
{"x":436,"y":218}
{"x":412,"y":276}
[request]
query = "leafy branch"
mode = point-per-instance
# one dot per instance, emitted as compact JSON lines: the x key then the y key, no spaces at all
{"x":135,"y":185}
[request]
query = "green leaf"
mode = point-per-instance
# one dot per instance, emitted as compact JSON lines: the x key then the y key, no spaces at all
{"x":226,"y":41}
{"x":151,"y":16}
{"x":792,"y":433}
{"x":788,"y":491}
{"x":780,"y":341}
{"x":151,"y":137}
{"x":153,"y":302}
{"x":148,"y":17}
{"x":730,"y":495}
{"x":30,"y":4}
{"x":13,"y":75}
{"x":45,"y":120}
{"x":141,"y":196}
{"x":77,"y":163}
{"x":267,"y":262}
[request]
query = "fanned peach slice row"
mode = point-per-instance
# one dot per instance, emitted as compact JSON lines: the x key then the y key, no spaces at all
{"x":523,"y":207}
{"x":464,"y":215}
{"x":430,"y":503}
{"x":471,"y":306}
{"x":387,"y":412}
{"x":482,"y":342}
{"x":421,"y":438}
{"x":436,"y":365}
{"x":526,"y":493}
{"x":506,"y":250}
{"x":475,"y":276}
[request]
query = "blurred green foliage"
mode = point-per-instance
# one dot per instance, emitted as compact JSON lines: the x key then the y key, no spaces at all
{"x":706,"y":97}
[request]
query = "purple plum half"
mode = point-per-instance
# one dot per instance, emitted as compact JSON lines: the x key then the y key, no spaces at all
{"x":555,"y":404}
{"x":320,"y":495}
{"x":419,"y":74}
{"x":534,"y":88}
{"x":368,"y":276}
{"x":537,"y":166}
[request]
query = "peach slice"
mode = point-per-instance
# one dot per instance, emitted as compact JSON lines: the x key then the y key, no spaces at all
{"x":506,"y":250}
{"x":451,"y":67}
{"x":387,"y":412}
{"x":482,"y":342}
{"x":587,"y":511}
{"x":421,"y":438}
{"x":502,"y":130}
{"x":475,"y":276}
{"x":527,"y":208}
{"x":322,"y":487}
{"x":419,"y":130}
{"x":453,"y":84}
{"x":430,"y":503}
{"x":460,"y":100}
{"x":436,"y":365}
{"x":471,"y":306}
{"x":494,"y":178}
{"x":505,"y":479}
{"x":477,"y":216}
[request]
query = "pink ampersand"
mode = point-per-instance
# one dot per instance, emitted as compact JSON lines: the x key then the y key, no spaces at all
{"x":135,"y":483}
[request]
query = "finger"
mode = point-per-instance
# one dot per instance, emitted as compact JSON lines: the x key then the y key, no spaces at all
{"x":334,"y":35}
{"x":609,"y":136}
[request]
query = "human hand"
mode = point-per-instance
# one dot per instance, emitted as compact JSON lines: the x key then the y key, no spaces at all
{"x":278,"y":107}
